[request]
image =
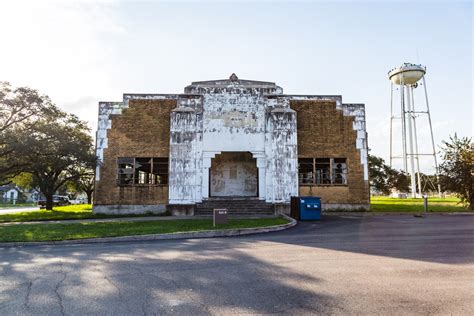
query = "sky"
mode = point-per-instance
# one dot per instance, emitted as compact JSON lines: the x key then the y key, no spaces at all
{"x":82,"y":52}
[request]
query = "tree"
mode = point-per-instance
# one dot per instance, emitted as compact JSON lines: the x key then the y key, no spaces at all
{"x":399,"y":180}
{"x":24,"y":180}
{"x":85,"y":184}
{"x":384,"y":178}
{"x":58,"y":148}
{"x":19,"y":109}
{"x":457,"y":168}
{"x":378,"y":175}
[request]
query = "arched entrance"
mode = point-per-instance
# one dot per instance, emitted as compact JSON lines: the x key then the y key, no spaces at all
{"x":233,"y":174}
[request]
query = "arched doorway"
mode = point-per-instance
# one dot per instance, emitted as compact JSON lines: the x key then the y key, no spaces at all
{"x":233,"y":174}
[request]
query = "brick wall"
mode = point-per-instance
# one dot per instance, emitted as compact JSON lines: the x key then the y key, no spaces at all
{"x":324,"y":132}
{"x":142,"y":130}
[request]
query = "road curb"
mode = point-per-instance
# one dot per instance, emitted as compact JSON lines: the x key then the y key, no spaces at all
{"x":170,"y":236}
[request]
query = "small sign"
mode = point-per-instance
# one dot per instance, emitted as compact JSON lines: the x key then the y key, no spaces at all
{"x":220,"y":216}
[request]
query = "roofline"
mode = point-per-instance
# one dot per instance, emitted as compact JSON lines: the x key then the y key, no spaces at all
{"x":172,"y":95}
{"x":256,"y":82}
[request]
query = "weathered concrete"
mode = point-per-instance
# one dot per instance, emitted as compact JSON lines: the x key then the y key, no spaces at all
{"x":130,"y":209}
{"x":181,"y":209}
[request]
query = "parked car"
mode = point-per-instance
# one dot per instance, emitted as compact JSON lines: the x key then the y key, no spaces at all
{"x":58,"y":200}
{"x":78,"y":201}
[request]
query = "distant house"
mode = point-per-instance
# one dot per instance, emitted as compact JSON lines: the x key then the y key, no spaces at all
{"x":9,"y":193}
{"x":32,"y":195}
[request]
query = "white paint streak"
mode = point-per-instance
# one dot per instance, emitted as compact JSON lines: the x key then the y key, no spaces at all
{"x":358,"y":112}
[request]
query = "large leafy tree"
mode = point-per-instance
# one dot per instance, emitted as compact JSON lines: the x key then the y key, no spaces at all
{"x":457,"y":168}
{"x":59,"y":149}
{"x":19,"y":110}
{"x":384,"y":178}
{"x":39,"y":139}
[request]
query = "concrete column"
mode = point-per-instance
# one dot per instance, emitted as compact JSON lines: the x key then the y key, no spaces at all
{"x":182,"y":168}
{"x":261,"y":165}
{"x":284,"y":154}
{"x":206,"y":165}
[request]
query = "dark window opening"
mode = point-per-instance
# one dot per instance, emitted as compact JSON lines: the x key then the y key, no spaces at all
{"x":322,"y":171}
{"x":339,"y":171}
{"x":142,"y":171}
{"x":306,"y":170}
{"x":125,"y":171}
{"x":160,"y":170}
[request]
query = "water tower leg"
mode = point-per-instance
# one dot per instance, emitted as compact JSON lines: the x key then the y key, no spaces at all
{"x":391,"y":123}
{"x":410,"y":141}
{"x":417,"y":156}
{"x":432,"y":138}
{"x":404,"y":130}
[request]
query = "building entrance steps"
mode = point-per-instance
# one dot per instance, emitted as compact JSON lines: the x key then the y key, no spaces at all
{"x":236,"y":206}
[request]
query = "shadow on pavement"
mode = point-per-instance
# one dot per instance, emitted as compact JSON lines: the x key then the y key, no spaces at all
{"x":176,"y":277}
{"x":436,"y":238}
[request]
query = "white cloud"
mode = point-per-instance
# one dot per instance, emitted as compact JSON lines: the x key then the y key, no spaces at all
{"x":59,"y":48}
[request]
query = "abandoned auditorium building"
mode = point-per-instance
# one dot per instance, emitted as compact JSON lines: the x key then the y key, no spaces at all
{"x":240,"y":144}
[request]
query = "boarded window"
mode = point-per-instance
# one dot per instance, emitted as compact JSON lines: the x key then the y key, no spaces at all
{"x":142,"y":171}
{"x":322,"y":171}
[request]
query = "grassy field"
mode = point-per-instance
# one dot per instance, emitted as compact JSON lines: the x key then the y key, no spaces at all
{"x":49,"y":232}
{"x":80,"y":211}
{"x":378,"y":204}
{"x":386,"y":204}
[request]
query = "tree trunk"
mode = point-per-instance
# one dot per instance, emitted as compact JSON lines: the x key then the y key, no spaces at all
{"x":49,"y":202}
{"x":89,"y":196}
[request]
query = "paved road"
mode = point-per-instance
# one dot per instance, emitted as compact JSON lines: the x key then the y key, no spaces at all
{"x":10,"y":210}
{"x":341,"y":265}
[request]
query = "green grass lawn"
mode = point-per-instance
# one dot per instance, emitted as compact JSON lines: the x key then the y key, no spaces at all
{"x":79,"y":211}
{"x":50,"y":232}
{"x":386,"y":204}
{"x":378,"y":204}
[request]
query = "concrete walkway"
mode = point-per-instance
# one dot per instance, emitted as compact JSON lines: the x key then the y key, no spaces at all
{"x":20,"y":209}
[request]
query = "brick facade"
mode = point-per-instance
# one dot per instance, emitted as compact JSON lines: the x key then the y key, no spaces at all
{"x":325,"y":132}
{"x":142,"y":130}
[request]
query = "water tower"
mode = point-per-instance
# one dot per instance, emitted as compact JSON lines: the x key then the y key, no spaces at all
{"x":404,"y":79}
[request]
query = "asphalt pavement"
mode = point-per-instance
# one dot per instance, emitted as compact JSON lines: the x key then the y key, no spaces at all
{"x":394,"y":264}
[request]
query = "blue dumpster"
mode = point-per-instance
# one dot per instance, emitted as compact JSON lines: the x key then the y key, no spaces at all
{"x":310,"y":208}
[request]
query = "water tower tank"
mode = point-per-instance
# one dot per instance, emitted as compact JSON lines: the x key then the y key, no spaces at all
{"x":406,"y":74}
